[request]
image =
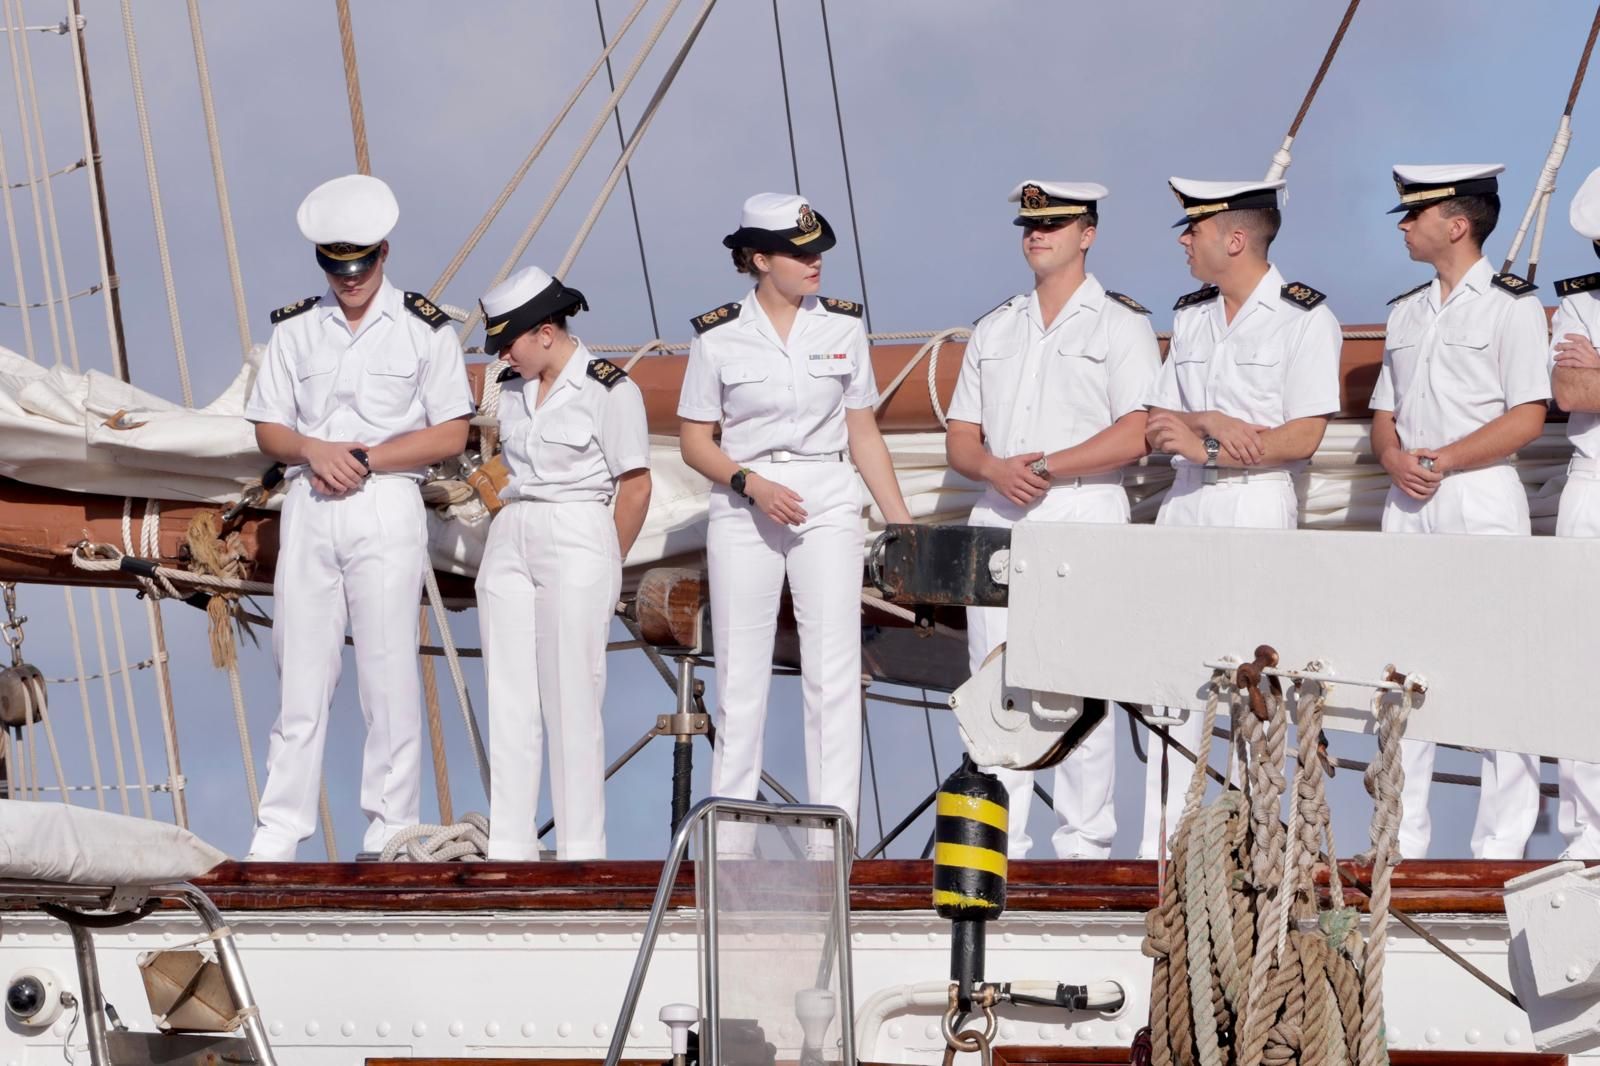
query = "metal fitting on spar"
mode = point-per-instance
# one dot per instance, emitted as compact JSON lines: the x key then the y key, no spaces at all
{"x":969,"y":866}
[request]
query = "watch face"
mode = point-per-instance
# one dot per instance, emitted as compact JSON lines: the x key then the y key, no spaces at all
{"x":736,"y":483}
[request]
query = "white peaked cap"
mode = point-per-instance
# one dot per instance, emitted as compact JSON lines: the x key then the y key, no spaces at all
{"x":356,"y":209}
{"x":515,"y":291}
{"x":1086,"y":192}
{"x":772,"y":210}
{"x":1585,"y":213}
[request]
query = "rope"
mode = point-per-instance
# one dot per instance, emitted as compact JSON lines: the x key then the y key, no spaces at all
{"x":83,"y":699}
{"x":325,"y":812}
{"x":538,"y":149}
{"x":627,"y":174}
{"x":104,"y":557}
{"x":37,"y":702}
{"x":34,"y":169}
{"x":1583,"y":63}
{"x":352,"y":86}
{"x":247,"y":753}
{"x":111,"y":703}
{"x":578,"y":156}
{"x":1282,"y":158}
{"x":1385,"y":780}
{"x":219,"y":177}
{"x":16,"y":253}
{"x":150,"y":540}
{"x":430,"y":694}
{"x":160,"y":219}
{"x":844,"y":158}
{"x":930,"y":351}
{"x":466,"y":841}
{"x":128,"y":702}
{"x":74,"y":24}
{"x":436,"y":602}
{"x":635,"y":138}
{"x":783,"y":81}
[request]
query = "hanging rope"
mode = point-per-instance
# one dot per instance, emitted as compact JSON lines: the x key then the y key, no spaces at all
{"x":1539,"y":202}
{"x":143,"y":113}
{"x":578,"y":156}
{"x":930,"y":352}
{"x":83,"y":699}
{"x":219,"y":177}
{"x":783,"y":82}
{"x":1282,"y":158}
{"x":637,"y":137}
{"x":111,"y":703}
{"x":453,"y":659}
{"x":844,"y":158}
{"x":511,"y":186}
{"x":128,"y":702}
{"x":35,"y":169}
{"x":430,"y":697}
{"x":352,"y":86}
{"x":74,"y":24}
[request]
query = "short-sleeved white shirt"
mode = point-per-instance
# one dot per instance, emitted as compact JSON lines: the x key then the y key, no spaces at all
{"x":1037,"y":387}
{"x":575,"y":445}
{"x":1579,"y":313}
{"x":769,"y":395}
{"x":1275,"y":362}
{"x":394,"y":374}
{"x":1449,"y":370}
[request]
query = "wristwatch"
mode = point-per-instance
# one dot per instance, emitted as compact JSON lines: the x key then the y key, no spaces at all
{"x":1426,"y":462}
{"x":1213,"y":447}
{"x":736,"y":483}
{"x":361,"y":457}
{"x":1040,"y":468}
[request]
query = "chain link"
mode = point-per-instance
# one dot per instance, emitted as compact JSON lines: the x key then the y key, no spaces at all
{"x":11,"y":628}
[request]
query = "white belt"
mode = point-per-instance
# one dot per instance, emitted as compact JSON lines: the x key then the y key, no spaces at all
{"x":1232,"y":475}
{"x":1580,"y":465}
{"x":1114,"y":478}
{"x":778,"y":455}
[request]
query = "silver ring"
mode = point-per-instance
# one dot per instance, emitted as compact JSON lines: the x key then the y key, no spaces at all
{"x":1426,"y":463}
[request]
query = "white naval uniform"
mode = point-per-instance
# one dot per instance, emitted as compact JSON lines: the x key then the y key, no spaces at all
{"x":357,"y":557}
{"x":547,"y":588}
{"x":1275,"y":362}
{"x":777,"y":400}
{"x":1037,"y":387}
{"x":1448,"y":371}
{"x":1578,"y":807}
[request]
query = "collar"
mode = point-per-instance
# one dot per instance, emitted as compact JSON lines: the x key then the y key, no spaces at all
{"x":752,"y":316}
{"x":1266,"y":296}
{"x":1476,"y":281}
{"x":385,"y":302}
{"x":576,"y":373}
{"x":1090,"y":295}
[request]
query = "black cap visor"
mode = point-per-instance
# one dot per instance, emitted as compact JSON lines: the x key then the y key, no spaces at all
{"x":346,"y":260}
{"x":555,"y":298}
{"x":794,"y":241}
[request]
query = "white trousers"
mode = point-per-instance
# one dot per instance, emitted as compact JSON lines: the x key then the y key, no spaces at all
{"x":1492,"y":502}
{"x":356,"y":558}
{"x":1266,"y":503}
{"x":547,"y":588}
{"x":1578,"y":808}
{"x":1082,"y":783}
{"x":748,"y":556}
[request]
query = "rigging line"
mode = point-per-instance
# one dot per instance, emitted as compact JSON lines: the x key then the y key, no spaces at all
{"x":95,"y":185}
{"x":352,"y":87}
{"x":68,"y":169}
{"x":578,"y":157}
{"x":111,"y":702}
{"x":627,"y":173}
{"x":637,"y":137}
{"x":1583,"y":64}
{"x":16,"y":253}
{"x":490,"y":215}
{"x":33,"y":191}
{"x":90,"y":291}
{"x":158,"y":215}
{"x":150,"y":535}
{"x":844,"y":157}
{"x":1282,"y":158}
{"x":933,"y":752}
{"x":219,"y":177}
{"x":83,"y":699}
{"x":872,"y":761}
{"x":783,"y":79}
{"x":128,"y":702}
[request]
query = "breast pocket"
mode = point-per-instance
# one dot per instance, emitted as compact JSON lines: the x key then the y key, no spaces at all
{"x":562,"y":442}
{"x":388,"y":387}
{"x":1257,"y":379}
{"x":1466,"y":364}
{"x":314,"y":380}
{"x":1078,"y":379}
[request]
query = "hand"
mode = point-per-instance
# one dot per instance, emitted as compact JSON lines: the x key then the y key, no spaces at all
{"x":1012,"y":479}
{"x":332,"y":464}
{"x":1240,"y":440}
{"x":1407,"y":471}
{"x":778,"y":502}
{"x":1168,"y":433}
{"x":1577,"y":352}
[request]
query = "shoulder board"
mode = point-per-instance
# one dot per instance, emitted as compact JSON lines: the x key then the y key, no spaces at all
{"x":1411,"y":292}
{"x":423,"y":308}
{"x":1003,"y":303}
{"x":1514,"y":285}
{"x":1198,"y":296}
{"x":507,"y":373}
{"x":607,"y":373}
{"x":844,"y":307}
{"x":283,"y":314}
{"x":1129,"y":302}
{"x":1303,"y":296}
{"x":1581,"y":283}
{"x":715,"y":317}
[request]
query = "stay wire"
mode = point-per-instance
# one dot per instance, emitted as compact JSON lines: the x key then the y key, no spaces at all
{"x":788,"y":114}
{"x":844,"y":157}
{"x":627,"y":174}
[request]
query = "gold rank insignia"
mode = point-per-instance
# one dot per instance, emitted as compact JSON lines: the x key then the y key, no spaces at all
{"x":843,"y":307}
{"x":606,"y":372}
{"x":1033,"y":198}
{"x":1300,"y":295}
{"x":1410,"y":292}
{"x":808,"y":219}
{"x":715,"y":317}
{"x":420,"y":306}
{"x":1582,"y":283}
{"x":1129,"y":302}
{"x":1514,"y":285}
{"x":1198,"y":296}
{"x":289,"y":311}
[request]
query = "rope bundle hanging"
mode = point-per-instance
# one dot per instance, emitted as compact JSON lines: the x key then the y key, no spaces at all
{"x":1250,"y":967}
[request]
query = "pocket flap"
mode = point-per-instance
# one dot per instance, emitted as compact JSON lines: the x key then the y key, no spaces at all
{"x":743,"y":373}
{"x":315,"y":365}
{"x":1266,"y":355}
{"x":570,"y":431}
{"x":1467,"y":338}
{"x":394,"y":365}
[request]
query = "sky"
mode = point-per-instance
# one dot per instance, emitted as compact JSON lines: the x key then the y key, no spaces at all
{"x":944,"y":106}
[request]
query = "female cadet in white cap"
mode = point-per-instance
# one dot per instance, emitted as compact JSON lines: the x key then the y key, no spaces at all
{"x":574,"y":437}
{"x":360,"y":390}
{"x":789,"y":377}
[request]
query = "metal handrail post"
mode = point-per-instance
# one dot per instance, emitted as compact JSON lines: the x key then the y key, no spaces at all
{"x":232,"y":968}
{"x":94,"y":1003}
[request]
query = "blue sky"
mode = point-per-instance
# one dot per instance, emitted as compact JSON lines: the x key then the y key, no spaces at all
{"x":945,"y":105}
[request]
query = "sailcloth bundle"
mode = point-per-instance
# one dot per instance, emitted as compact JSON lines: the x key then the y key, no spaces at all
{"x":1249,"y":966}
